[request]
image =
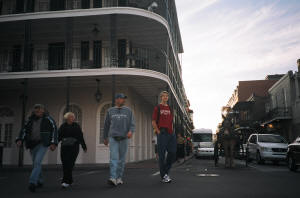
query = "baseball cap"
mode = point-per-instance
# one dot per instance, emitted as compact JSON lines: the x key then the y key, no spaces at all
{"x":120,"y":95}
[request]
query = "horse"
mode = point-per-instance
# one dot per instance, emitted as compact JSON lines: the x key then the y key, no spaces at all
{"x":228,"y":140}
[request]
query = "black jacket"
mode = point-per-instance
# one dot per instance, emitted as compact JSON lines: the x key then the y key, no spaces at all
{"x":48,"y":132}
{"x":74,"y":130}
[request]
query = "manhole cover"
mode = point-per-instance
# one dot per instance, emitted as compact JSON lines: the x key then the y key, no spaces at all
{"x":207,"y":175}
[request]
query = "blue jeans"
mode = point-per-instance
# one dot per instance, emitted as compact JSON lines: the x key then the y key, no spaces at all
{"x":166,"y":143}
{"x":37,"y":155}
{"x":118,"y":151}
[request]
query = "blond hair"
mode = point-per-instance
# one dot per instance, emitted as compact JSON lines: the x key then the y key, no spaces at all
{"x":163,"y":92}
{"x":68,"y":114}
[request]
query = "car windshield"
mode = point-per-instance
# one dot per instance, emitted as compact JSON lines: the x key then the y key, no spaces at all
{"x":271,"y":139}
{"x":203,"y":137}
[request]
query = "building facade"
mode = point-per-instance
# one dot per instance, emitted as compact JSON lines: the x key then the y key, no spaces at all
{"x":248,"y":101}
{"x":282,"y":115}
{"x":74,"y":55}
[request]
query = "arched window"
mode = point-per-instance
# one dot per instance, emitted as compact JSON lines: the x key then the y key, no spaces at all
{"x":102,"y":119}
{"x":6,"y":126}
{"x":77,"y":111}
{"x":6,"y":112}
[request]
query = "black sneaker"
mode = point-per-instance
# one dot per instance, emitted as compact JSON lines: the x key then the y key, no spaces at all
{"x":40,"y":185}
{"x":31,"y":187}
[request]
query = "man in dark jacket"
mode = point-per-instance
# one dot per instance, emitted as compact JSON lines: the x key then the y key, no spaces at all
{"x":39,"y":133}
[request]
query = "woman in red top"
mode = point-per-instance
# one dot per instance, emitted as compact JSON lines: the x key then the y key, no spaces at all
{"x":162,"y":121}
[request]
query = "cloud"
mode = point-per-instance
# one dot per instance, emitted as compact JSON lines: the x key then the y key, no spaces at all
{"x":226,"y":42}
{"x":192,"y":7}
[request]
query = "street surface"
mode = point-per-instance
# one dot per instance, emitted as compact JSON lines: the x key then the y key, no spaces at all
{"x":194,"y":178}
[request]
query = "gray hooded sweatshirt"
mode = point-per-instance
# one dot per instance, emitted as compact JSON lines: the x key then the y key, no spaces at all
{"x":118,"y":122}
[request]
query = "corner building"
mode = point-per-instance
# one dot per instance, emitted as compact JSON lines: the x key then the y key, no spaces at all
{"x":74,"y":55}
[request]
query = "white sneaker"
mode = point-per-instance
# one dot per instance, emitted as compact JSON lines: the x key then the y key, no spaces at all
{"x":120,"y":181}
{"x":112,"y":182}
{"x":65,"y":185}
{"x":166,"y":179}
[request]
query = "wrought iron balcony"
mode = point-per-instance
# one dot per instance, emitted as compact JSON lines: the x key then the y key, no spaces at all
{"x":279,"y":114}
{"x":54,"y":58}
{"x":166,"y":9}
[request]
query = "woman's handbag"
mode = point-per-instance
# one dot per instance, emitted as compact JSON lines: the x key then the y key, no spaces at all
{"x":69,"y":141}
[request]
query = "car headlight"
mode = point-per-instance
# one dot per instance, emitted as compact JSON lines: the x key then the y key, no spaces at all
{"x":266,"y":149}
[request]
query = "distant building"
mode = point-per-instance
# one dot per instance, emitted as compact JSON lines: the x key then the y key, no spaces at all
{"x":248,"y":101}
{"x":283,"y":109}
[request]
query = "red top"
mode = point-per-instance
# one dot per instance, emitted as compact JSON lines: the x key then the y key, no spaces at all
{"x":165,"y":118}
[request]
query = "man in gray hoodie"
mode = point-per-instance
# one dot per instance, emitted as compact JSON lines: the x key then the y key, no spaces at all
{"x":118,"y":128}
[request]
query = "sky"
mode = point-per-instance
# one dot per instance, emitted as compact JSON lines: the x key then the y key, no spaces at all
{"x":226,"y":41}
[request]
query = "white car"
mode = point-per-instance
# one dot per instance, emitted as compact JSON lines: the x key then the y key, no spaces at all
{"x":262,"y":147}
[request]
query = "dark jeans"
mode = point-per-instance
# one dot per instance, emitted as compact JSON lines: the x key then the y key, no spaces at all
{"x":68,"y":157}
{"x":166,"y":143}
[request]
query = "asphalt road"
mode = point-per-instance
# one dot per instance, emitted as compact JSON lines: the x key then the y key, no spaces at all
{"x":195,"y":178}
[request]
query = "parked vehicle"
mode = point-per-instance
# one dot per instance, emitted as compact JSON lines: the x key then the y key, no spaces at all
{"x":262,"y":147}
{"x":293,"y":155}
{"x":203,"y":143}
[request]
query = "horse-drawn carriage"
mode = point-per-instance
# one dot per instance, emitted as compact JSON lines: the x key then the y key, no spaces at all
{"x":231,"y":144}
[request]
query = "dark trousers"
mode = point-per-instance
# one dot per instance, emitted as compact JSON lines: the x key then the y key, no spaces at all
{"x":68,"y":157}
{"x":166,"y":143}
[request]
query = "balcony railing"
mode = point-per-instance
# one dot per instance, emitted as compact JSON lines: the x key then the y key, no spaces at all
{"x":166,"y":9}
{"x":135,"y":57}
{"x":279,"y":113}
{"x":141,"y":58}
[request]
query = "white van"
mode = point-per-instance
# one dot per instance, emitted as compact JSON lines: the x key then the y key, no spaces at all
{"x":203,"y":143}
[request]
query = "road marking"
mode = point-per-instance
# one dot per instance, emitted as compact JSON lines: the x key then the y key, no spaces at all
{"x":155,"y":174}
{"x":207,"y":175}
{"x":83,"y":174}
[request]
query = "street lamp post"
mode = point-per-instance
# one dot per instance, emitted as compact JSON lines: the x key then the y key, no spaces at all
{"x":24,"y":102}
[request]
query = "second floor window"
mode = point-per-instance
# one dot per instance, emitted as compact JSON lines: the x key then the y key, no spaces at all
{"x":122,"y":52}
{"x":19,"y":6}
{"x":1,"y":5}
{"x":97,"y":3}
{"x":85,"y":53}
{"x":16,"y":58}
{"x":30,"y":5}
{"x":122,"y":3}
{"x":98,"y":54}
{"x":57,"y":5}
{"x":56,"y":56}
{"x":85,"y":4}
